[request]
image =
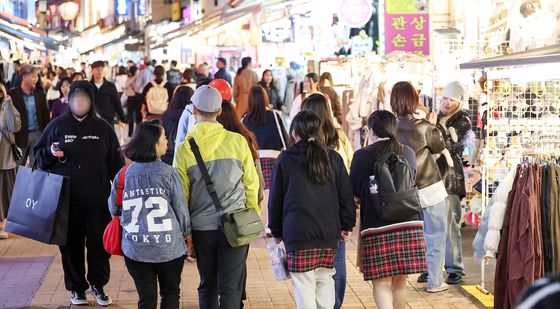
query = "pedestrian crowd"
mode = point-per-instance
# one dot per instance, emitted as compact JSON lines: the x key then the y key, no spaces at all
{"x":206,"y":155}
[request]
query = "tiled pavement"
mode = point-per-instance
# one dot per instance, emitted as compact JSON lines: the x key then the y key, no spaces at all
{"x":263,"y":291}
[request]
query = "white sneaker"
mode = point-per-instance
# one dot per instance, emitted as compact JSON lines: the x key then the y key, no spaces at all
{"x":3,"y":235}
{"x":441,"y":288}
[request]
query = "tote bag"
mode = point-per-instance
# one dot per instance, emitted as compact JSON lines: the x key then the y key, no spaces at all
{"x":39,"y":206}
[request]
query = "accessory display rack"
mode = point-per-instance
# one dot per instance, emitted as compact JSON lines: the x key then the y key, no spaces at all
{"x":523,"y":115}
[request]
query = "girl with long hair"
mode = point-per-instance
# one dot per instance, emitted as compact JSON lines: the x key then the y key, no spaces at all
{"x":337,"y":140}
{"x":310,"y":86}
{"x":388,"y":272}
{"x":310,"y":209}
{"x":267,"y":82}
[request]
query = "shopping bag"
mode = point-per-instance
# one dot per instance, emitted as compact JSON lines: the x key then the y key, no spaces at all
{"x":39,"y":206}
{"x":112,"y":236}
{"x":278,"y":261}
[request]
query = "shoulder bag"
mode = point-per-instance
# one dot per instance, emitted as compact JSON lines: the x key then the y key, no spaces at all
{"x":112,"y":237}
{"x":241,"y":226}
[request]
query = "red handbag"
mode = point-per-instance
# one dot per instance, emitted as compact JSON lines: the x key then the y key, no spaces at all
{"x":112,"y":236}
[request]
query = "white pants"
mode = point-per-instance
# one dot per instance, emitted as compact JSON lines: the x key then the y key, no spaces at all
{"x":314,"y":289}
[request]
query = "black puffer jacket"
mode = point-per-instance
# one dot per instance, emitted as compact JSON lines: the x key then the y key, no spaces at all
{"x":455,"y":134}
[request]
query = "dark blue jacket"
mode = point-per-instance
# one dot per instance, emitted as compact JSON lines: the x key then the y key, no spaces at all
{"x":307,"y":215}
{"x":223,"y":74}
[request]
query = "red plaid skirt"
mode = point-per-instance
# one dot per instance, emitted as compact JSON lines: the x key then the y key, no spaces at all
{"x":309,"y":259}
{"x":392,"y":250}
{"x":267,"y":164}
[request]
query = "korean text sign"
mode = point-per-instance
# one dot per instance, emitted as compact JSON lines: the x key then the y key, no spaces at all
{"x":407,"y":26}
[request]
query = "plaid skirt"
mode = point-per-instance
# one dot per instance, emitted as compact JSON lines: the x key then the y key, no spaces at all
{"x":309,"y":259}
{"x":267,"y":164}
{"x":397,"y":249}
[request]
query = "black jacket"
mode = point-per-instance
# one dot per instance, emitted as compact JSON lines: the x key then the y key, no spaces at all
{"x":41,"y":108}
{"x":107,"y":101}
{"x":91,"y":149}
{"x":362,"y":168}
{"x":426,"y":140}
{"x":307,"y":215}
{"x":454,"y":178}
{"x":223,"y":74}
{"x":273,"y":96}
{"x":170,"y":121}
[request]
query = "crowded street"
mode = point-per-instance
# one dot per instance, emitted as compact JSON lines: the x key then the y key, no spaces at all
{"x":390,"y":154}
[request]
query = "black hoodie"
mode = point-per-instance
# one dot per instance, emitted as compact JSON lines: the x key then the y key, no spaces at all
{"x":91,"y":149}
{"x":107,"y":101}
{"x":307,"y":215}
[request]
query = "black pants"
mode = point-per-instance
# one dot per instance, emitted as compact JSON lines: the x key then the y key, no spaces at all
{"x":134,"y":112}
{"x":221,"y":268}
{"x":146,"y":277}
{"x":87,"y":222}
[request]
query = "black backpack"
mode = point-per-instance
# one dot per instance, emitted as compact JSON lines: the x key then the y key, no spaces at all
{"x":397,"y":199}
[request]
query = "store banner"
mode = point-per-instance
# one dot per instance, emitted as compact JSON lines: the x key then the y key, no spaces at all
{"x":407,"y":26}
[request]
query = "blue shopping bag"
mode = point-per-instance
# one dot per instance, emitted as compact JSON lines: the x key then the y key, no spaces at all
{"x":39,"y":206}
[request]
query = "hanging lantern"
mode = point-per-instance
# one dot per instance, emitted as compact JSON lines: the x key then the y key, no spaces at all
{"x":68,"y":10}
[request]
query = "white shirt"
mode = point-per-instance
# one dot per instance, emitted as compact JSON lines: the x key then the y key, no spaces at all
{"x":432,"y":194}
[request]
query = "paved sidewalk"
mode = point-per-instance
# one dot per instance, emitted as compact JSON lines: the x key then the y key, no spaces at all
{"x":263,"y":291}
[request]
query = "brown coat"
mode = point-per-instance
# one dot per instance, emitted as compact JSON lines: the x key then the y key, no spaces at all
{"x":22,"y":137}
{"x":242,"y":85}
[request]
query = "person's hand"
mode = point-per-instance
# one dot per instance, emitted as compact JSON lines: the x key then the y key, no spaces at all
{"x":120,"y":124}
{"x":284,"y":109}
{"x":58,"y":154}
{"x":432,"y":118}
{"x":277,"y":240}
{"x":190,"y":246}
{"x":345,"y":235}
{"x":357,"y":202}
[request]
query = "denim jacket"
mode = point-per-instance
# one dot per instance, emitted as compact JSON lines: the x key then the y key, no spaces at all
{"x":154,"y":213}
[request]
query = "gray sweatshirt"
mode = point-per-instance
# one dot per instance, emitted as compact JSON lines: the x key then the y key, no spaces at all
{"x":154,"y":214}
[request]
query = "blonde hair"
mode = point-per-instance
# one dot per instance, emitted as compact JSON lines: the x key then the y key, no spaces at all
{"x":3,"y":90}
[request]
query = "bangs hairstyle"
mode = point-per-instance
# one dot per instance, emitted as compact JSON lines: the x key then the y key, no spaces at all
{"x":306,"y":125}
{"x":142,"y":145}
{"x":404,"y":99}
{"x":63,"y":80}
{"x":258,"y":104}
{"x":317,"y":103}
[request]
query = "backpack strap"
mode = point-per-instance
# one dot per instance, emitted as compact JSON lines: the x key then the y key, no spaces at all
{"x":204,"y":170}
{"x":120,"y":186}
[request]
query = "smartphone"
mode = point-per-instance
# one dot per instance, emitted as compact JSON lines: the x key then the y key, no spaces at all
{"x":56,"y":146}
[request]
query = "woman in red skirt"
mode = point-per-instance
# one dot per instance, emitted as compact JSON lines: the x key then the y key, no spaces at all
{"x":390,"y":250}
{"x":310,"y":207}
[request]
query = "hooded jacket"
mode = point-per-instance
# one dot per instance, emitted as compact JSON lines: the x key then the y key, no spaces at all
{"x":91,"y":149}
{"x":230,"y":164}
{"x":307,"y":215}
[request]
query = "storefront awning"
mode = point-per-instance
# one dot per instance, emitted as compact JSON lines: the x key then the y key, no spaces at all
{"x":550,"y":54}
{"x":13,"y":27}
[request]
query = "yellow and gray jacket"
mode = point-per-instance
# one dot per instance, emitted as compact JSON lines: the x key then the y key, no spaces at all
{"x":231,"y":167}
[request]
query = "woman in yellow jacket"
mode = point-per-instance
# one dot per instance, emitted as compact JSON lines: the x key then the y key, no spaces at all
{"x":335,"y":139}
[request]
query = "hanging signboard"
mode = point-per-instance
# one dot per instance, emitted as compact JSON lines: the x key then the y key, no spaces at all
{"x":407,"y":26}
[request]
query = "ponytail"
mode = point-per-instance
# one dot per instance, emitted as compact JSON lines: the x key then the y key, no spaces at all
{"x":317,"y":156}
{"x":307,"y":126}
{"x":384,"y":125}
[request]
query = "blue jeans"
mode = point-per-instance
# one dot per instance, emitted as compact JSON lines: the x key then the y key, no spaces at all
{"x":435,"y":225}
{"x":454,"y":245}
{"x":340,"y":275}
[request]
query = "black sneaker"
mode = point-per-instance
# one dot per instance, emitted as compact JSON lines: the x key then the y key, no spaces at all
{"x":454,"y":278}
{"x":78,"y":298}
{"x":423,"y":278}
{"x":100,"y":296}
